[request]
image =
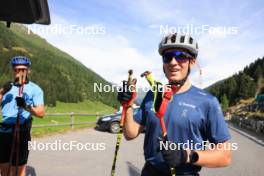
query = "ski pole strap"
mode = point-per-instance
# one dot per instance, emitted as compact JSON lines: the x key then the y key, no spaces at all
{"x":166,"y":98}
{"x":164,"y":104}
{"x":123,"y":115}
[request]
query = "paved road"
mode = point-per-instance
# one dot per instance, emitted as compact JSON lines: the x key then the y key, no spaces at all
{"x":248,"y":160}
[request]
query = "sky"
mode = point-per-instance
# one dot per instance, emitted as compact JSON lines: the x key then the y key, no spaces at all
{"x":112,"y":36}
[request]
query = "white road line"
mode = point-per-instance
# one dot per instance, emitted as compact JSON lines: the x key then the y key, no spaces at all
{"x":261,"y":142}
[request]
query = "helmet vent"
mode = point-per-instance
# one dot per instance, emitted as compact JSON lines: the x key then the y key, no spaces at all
{"x":191,"y":40}
{"x":173,"y":38}
{"x":182,"y":39}
{"x":166,"y":40}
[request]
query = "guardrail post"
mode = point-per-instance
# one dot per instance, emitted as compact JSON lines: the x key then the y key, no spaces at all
{"x":72,"y":120}
{"x":97,"y":116}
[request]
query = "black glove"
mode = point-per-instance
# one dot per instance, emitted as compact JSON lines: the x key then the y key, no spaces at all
{"x":175,"y":157}
{"x":6,"y":87}
{"x":124,"y":94}
{"x":21,"y":102}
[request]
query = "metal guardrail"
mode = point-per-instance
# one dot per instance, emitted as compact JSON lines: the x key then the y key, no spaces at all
{"x":72,"y":119}
{"x":251,"y":124}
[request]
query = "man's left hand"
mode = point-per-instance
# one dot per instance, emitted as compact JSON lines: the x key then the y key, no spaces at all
{"x":173,"y":157}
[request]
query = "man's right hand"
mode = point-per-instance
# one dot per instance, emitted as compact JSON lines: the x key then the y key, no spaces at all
{"x":21,"y":102}
{"x":125,"y":95}
{"x":6,"y":88}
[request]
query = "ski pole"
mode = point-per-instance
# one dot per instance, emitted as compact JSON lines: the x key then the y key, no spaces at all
{"x":16,"y":137}
{"x":162,"y":108}
{"x":123,"y":115}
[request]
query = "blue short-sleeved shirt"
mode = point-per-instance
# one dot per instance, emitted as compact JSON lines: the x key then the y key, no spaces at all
{"x":192,"y":116}
{"x":33,"y":96}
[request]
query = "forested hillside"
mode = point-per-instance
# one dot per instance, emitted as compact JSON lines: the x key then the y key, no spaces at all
{"x":61,"y":76}
{"x":247,"y":83}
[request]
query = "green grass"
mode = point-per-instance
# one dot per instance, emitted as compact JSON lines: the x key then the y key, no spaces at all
{"x":54,"y":120}
{"x":82,"y":107}
{"x":48,"y":131}
{"x":86,"y":107}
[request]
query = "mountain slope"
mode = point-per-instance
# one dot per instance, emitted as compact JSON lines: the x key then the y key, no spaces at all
{"x":61,"y":76}
{"x":246,"y":84}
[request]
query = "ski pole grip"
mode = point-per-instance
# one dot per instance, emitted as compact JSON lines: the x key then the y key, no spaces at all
{"x":149,"y":76}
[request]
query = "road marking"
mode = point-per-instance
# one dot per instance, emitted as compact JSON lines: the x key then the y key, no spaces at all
{"x":261,"y":142}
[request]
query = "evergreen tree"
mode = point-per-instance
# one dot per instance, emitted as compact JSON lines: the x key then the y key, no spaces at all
{"x":224,"y":102}
{"x":247,"y":87}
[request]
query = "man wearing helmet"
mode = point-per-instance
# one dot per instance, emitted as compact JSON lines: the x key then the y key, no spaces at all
{"x":193,"y":116}
{"x":29,"y":103}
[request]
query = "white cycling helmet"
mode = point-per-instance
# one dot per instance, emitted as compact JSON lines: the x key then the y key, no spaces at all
{"x":175,"y":40}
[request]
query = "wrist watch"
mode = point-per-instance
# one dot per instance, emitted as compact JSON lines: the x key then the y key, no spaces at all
{"x":194,"y":157}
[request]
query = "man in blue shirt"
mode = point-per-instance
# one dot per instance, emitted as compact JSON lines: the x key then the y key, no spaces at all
{"x":192,"y":118}
{"x":31,"y":102}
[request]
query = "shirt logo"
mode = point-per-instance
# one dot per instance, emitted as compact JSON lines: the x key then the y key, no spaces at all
{"x":186,"y":105}
{"x":184,"y":113}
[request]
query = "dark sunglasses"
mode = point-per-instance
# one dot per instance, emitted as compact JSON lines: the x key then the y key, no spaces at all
{"x":180,"y":56}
